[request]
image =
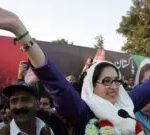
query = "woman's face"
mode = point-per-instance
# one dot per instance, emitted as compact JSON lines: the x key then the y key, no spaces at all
{"x":146,"y":76}
{"x":104,"y":88}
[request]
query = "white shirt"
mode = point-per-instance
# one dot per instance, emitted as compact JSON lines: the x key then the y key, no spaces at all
{"x":2,"y":124}
{"x":14,"y":129}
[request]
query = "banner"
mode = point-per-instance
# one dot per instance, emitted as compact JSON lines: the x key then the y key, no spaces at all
{"x":69,"y":59}
{"x":10,"y":56}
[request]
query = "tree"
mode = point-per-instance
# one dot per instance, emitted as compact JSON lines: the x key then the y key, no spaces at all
{"x":136,"y":28}
{"x":99,"y":41}
{"x":61,"y":42}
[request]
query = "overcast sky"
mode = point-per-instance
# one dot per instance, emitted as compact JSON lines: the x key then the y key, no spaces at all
{"x":78,"y":21}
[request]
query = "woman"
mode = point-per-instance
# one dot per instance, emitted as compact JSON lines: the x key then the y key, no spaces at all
{"x":142,"y":75}
{"x":143,"y":72}
{"x":102,"y":96}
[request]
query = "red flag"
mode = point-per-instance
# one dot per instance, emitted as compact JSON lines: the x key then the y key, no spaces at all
{"x":10,"y":56}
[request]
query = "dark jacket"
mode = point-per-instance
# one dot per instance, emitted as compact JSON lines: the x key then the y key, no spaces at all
{"x":53,"y":121}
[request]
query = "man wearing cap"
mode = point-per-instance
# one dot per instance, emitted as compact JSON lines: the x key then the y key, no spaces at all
{"x":23,"y":107}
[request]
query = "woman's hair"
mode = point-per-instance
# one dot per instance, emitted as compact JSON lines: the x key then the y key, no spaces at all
{"x":98,"y":70}
{"x":145,"y":68}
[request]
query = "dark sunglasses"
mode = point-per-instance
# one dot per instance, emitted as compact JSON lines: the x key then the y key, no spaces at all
{"x":107,"y":81}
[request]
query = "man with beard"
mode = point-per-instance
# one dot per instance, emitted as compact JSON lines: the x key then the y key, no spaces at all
{"x":23,"y":107}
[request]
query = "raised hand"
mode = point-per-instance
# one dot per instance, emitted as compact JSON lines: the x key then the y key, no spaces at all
{"x":23,"y":67}
{"x":11,"y":22}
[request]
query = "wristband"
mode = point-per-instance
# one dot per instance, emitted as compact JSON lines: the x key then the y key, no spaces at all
{"x":20,"y":37}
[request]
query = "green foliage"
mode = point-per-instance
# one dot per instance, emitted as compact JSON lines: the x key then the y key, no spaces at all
{"x":61,"y":42}
{"x":135,"y":26}
{"x":99,"y":41}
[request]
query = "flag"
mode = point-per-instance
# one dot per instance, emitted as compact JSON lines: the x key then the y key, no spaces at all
{"x":10,"y":56}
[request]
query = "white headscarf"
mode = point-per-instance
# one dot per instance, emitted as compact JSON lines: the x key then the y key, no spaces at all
{"x":104,"y":109}
{"x":143,"y":63}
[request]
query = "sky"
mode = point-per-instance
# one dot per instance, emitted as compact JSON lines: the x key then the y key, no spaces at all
{"x":77,"y":21}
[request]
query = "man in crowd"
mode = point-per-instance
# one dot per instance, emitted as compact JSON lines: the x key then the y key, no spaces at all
{"x":4,"y":111}
{"x":23,"y":107}
{"x":46,"y":103}
{"x":48,"y":114}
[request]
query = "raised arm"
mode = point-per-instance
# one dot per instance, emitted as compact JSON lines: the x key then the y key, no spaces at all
{"x":11,"y":22}
{"x":67,"y":101}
